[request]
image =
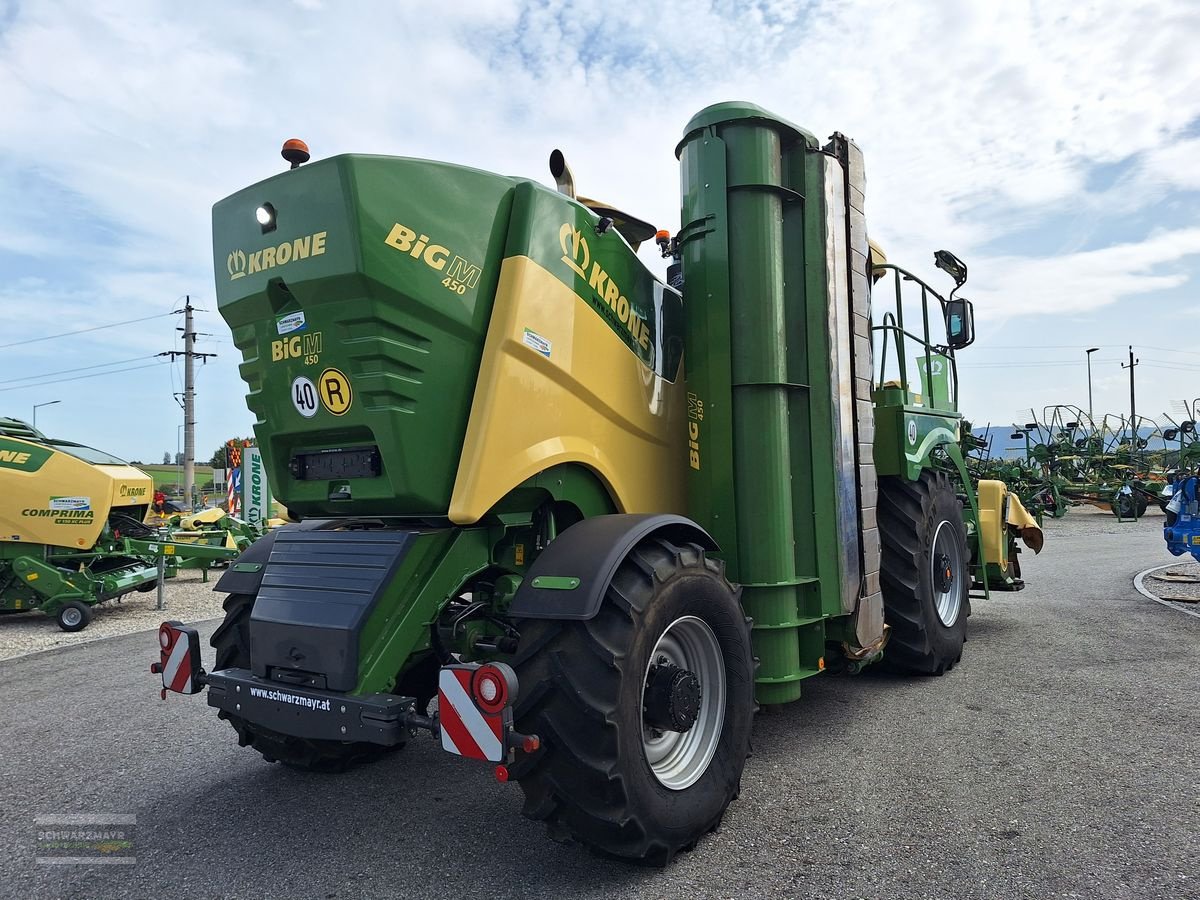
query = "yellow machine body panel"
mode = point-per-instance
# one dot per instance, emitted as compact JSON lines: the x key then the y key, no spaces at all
{"x":48,"y":496}
{"x":999,"y":510}
{"x":591,"y":402}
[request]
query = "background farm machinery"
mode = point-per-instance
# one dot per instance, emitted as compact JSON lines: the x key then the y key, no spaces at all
{"x":73,"y":530}
{"x":1120,"y":464}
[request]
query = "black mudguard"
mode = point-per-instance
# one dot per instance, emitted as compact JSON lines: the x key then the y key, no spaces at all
{"x":591,"y":551}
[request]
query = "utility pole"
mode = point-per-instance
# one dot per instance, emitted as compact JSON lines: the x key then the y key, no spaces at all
{"x":1089,"y":353}
{"x":1131,"y":365}
{"x":190,"y":356}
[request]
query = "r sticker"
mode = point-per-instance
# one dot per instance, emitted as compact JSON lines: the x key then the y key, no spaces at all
{"x":912,"y":431}
{"x":304,"y":397}
{"x":336,"y":395}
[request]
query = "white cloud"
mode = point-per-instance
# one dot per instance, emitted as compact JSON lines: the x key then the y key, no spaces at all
{"x":140,"y":116}
{"x":1007,"y":287}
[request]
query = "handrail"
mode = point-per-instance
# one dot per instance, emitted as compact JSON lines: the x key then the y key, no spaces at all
{"x":893,"y":330}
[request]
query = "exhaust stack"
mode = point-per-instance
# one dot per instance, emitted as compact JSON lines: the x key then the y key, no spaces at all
{"x":562,"y":174}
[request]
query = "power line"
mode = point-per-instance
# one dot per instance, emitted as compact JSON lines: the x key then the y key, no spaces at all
{"x":1170,"y":367}
{"x":22,"y":387}
{"x":1028,"y":347}
{"x":51,"y":337}
{"x":1169,"y":350}
{"x":118,"y":362}
{"x":1045,"y":346}
{"x":1039,"y":364}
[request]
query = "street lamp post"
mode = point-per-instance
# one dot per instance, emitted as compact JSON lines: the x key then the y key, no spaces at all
{"x":37,"y":405}
{"x":1089,"y":360}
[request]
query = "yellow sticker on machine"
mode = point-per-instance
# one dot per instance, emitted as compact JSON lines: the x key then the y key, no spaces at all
{"x":334,"y":388}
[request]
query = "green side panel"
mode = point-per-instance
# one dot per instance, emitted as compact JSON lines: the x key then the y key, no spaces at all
{"x":361,"y":320}
{"x":906,"y":436}
{"x":814,"y":425}
{"x":753,"y":254}
{"x":22,"y":456}
{"x":439,"y":563}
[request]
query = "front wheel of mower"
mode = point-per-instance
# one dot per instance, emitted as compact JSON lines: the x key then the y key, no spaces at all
{"x":644,"y":711}
{"x":925,"y":573}
{"x":73,"y":616}
{"x":232,"y":643}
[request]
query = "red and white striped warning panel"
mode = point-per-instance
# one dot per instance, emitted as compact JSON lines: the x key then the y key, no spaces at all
{"x":467,"y":729}
{"x":179,"y":660}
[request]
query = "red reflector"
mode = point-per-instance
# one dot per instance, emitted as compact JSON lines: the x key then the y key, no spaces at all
{"x":489,"y":689}
{"x":502,"y":774}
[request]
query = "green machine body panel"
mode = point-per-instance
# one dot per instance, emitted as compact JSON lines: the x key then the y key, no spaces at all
{"x":772,"y":400}
{"x":361,"y":320}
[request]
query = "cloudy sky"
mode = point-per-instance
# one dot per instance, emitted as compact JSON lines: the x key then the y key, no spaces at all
{"x":1054,"y":146}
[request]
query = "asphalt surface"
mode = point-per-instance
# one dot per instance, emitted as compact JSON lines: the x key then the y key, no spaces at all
{"x":1060,"y":759}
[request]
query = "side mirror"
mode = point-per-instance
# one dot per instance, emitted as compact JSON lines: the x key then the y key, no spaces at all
{"x":1031,"y":426}
{"x":1072,"y":424}
{"x":1016,"y":435}
{"x":1170,"y":434}
{"x":1188,"y":426}
{"x":960,"y":323}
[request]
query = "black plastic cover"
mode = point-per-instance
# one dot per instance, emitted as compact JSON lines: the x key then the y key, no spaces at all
{"x":317,"y":592}
{"x":242,"y":577}
{"x":591,"y":551}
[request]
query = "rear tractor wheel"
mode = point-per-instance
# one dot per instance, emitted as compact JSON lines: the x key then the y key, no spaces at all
{"x":925,"y":573}
{"x":644,"y":711}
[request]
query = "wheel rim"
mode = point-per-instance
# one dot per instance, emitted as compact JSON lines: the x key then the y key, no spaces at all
{"x":71,"y":616}
{"x":679,"y":758}
{"x":945,"y":574}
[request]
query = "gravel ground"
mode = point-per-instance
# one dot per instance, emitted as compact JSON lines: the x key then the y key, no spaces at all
{"x":1180,"y":583}
{"x":1058,"y":760}
{"x":189,"y":599}
{"x":1088,"y":519}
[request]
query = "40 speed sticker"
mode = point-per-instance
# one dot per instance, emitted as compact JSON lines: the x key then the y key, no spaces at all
{"x":304,"y":397}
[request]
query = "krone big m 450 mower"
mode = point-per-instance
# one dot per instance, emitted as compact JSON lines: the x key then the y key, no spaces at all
{"x":597,"y":516}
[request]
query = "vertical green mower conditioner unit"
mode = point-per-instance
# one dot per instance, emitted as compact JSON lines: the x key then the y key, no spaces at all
{"x":598,"y":517}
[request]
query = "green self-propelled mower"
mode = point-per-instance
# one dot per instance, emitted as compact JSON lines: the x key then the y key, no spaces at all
{"x":598,"y":517}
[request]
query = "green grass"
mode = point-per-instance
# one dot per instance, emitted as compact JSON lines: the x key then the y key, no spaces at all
{"x":172,"y":475}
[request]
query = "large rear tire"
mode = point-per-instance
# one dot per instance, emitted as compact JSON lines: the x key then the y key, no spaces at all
{"x":925,"y":573}
{"x":232,"y":643}
{"x":605,"y":776}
